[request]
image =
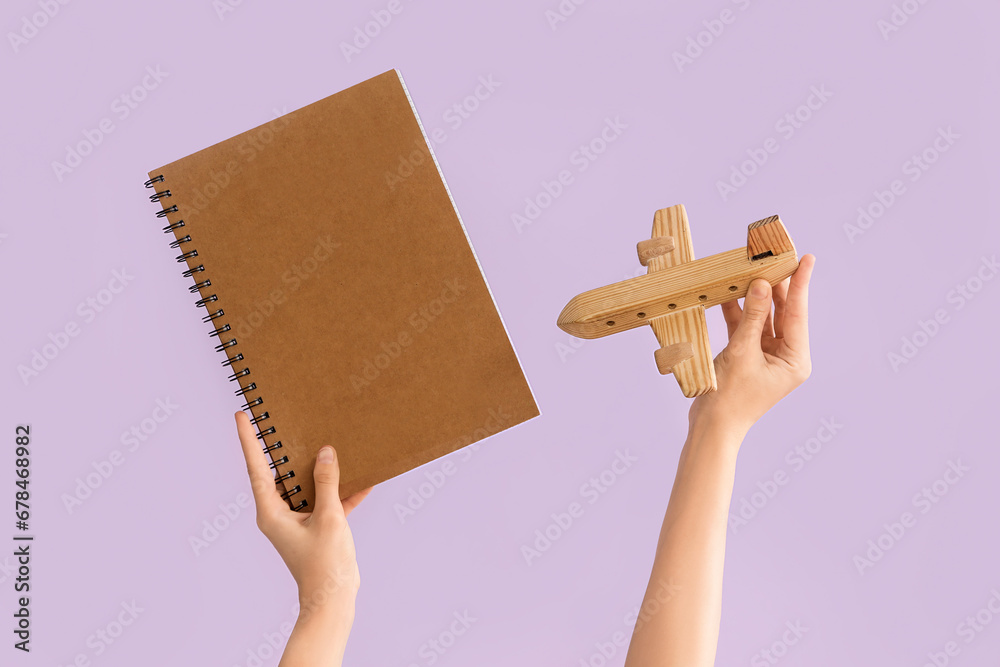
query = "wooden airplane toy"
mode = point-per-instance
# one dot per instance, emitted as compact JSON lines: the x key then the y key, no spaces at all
{"x":676,"y":290}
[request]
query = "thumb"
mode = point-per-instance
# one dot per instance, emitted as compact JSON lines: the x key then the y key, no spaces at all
{"x":756,"y":307}
{"x":326,"y":475}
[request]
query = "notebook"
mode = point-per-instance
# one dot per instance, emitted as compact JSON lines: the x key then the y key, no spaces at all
{"x":341,"y":290}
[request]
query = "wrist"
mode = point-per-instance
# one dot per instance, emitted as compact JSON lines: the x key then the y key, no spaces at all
{"x":329,"y":604}
{"x":320,"y":635}
{"x":332,"y":613}
{"x":725,"y":429}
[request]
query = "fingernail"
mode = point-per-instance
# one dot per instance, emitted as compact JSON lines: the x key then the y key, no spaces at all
{"x":758,"y":290}
{"x":325,"y":455}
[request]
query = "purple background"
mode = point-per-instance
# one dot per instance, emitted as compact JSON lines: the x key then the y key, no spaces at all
{"x":461,"y":551}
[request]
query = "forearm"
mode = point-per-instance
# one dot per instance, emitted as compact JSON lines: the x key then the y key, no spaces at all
{"x":319,"y":637}
{"x":679,"y":619}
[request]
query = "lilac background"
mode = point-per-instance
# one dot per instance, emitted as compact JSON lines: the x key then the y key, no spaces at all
{"x":461,"y":551}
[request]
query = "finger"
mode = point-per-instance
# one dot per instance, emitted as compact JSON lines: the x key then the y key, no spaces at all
{"x":797,"y":306}
{"x":756,"y":307}
{"x":265,"y":493}
{"x":326,"y":474}
{"x":732,"y":312}
{"x":779,"y":293}
{"x":768,"y":331}
{"x":353,"y":501}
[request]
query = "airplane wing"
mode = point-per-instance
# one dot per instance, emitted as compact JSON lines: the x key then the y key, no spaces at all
{"x":683,"y":336}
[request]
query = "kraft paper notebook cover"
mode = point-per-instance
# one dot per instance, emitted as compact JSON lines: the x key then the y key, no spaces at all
{"x":342,"y":289}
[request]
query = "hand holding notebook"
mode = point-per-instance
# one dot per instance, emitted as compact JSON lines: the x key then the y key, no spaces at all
{"x":346,"y":299}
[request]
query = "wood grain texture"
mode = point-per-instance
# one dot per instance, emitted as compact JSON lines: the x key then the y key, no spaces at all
{"x":695,"y":374}
{"x":673,"y":221}
{"x":685,"y":349}
{"x":676,"y":290}
{"x":654,"y":247}
{"x":671,"y":355}
{"x":631,"y":303}
{"x":768,"y":235}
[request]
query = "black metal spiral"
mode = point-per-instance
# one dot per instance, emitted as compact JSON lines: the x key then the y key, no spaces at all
{"x":231,"y":359}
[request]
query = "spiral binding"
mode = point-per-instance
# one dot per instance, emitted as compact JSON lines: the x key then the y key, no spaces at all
{"x":201,"y":283}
